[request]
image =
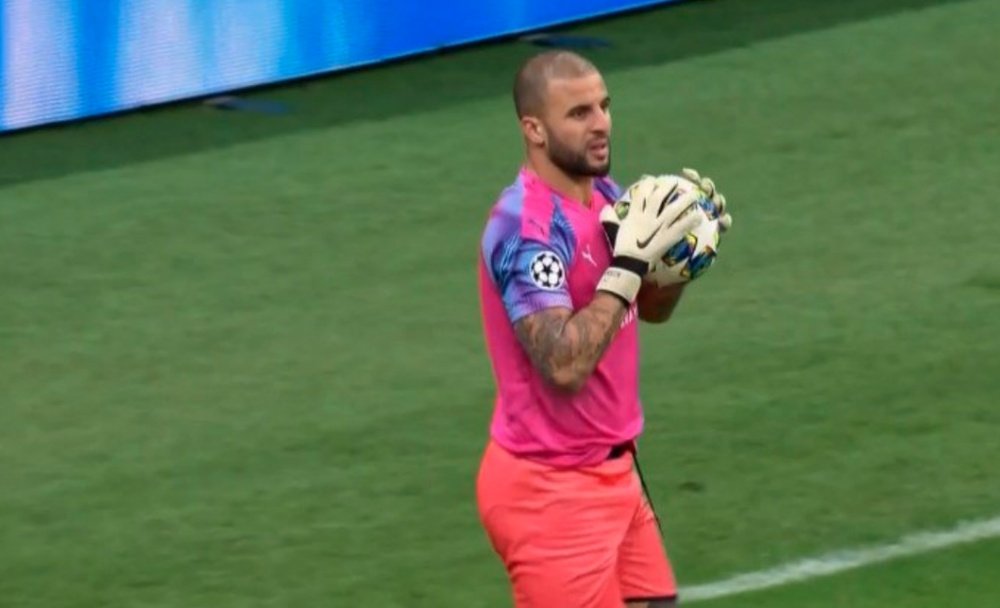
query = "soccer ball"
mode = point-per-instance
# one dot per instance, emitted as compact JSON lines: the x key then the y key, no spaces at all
{"x":695,"y":253}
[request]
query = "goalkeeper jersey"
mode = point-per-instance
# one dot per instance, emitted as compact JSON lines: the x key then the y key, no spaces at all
{"x":541,"y":249}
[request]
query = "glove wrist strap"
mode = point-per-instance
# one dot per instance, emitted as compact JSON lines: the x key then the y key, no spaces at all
{"x":623,"y":278}
{"x":633,"y":265}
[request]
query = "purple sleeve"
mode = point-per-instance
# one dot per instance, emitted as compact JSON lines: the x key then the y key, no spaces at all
{"x":530,"y":275}
{"x":609,"y":188}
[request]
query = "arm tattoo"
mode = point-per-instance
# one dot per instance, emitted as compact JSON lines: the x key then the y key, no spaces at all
{"x":565,"y":346}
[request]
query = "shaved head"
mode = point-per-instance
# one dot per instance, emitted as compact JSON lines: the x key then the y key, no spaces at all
{"x":532,"y":80}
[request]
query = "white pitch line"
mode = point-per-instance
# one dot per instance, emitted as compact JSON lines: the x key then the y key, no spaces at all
{"x":839,"y":561}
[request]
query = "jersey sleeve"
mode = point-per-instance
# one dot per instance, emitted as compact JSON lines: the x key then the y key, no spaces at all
{"x":530,"y":272}
{"x":608,"y":188}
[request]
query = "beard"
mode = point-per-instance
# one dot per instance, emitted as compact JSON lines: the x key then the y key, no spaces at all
{"x":574,"y":162}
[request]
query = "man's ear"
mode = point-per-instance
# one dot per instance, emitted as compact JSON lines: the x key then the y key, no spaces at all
{"x":533,"y":130}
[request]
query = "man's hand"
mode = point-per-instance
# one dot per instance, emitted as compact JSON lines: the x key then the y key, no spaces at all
{"x":643,"y":224}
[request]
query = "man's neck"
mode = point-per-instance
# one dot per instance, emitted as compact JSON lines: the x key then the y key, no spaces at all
{"x":576,"y":188}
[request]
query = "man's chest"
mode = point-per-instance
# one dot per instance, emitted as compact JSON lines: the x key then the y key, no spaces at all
{"x":591,"y":258}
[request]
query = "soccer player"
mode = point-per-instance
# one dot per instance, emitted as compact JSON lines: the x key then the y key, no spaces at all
{"x":557,"y":491}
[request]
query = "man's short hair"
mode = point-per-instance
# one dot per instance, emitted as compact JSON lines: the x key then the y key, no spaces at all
{"x":532,"y":80}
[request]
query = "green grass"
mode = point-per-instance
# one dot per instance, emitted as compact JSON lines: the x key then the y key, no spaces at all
{"x":243,"y":366}
{"x":962,"y":576}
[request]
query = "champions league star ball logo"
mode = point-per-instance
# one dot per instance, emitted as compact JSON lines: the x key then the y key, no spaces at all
{"x":547,"y":270}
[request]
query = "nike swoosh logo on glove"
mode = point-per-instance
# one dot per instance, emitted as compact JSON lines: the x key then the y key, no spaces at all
{"x":642,"y":244}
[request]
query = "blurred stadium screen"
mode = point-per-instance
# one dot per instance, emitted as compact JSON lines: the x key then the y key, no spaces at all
{"x":70,"y":59}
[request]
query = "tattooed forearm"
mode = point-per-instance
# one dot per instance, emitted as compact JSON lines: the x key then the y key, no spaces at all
{"x":565,"y":346}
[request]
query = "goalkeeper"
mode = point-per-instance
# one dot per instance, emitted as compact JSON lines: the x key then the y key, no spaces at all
{"x":561,"y":286}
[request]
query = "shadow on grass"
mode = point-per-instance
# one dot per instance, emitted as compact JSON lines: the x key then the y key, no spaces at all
{"x":647,"y":37}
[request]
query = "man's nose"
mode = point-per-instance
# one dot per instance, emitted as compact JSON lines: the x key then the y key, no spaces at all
{"x":602,"y":122}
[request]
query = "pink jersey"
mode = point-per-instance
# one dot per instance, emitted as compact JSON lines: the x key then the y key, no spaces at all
{"x":541,"y":250}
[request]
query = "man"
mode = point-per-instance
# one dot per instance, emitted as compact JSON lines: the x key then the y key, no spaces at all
{"x":557,"y":492}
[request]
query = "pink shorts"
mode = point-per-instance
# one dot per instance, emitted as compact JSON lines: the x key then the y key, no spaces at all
{"x":583,"y":537}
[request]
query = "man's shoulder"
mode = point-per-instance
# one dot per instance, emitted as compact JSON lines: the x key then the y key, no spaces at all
{"x":523,"y":211}
{"x":608,"y":188}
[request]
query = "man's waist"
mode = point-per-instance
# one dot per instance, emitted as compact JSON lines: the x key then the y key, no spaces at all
{"x":564,"y":455}
{"x":620,"y":449}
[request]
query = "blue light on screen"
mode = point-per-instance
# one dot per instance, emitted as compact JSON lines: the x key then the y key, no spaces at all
{"x":69,"y":59}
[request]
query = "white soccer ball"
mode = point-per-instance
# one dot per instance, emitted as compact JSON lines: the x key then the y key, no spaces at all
{"x":694,"y":255}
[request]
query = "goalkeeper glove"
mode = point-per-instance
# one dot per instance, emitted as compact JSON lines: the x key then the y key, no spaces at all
{"x":652,"y":216}
{"x":718,"y":200}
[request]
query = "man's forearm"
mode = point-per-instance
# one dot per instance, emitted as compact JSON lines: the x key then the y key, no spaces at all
{"x":657,"y":304}
{"x":566,"y":346}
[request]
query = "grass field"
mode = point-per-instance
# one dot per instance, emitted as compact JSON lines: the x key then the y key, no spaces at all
{"x":242,"y":362}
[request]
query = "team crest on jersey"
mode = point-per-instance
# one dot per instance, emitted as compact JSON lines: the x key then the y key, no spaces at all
{"x":547,"y":270}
